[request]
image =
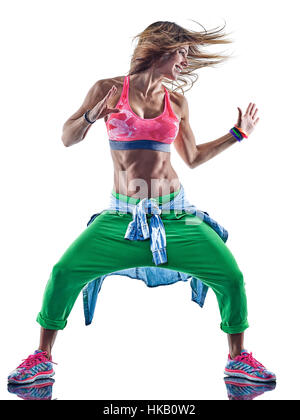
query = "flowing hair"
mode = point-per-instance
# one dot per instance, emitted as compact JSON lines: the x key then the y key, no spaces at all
{"x":165,"y":37}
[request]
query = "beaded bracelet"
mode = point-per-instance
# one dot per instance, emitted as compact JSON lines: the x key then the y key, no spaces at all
{"x":236,"y":133}
{"x":87,"y":118}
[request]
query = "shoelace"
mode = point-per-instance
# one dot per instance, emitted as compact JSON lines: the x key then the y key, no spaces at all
{"x":33,"y":359}
{"x":250,"y":359}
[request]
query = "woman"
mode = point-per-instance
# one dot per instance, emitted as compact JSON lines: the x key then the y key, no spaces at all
{"x":143,"y":118}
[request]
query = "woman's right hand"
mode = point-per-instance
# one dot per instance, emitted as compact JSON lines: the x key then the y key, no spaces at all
{"x":101,"y":109}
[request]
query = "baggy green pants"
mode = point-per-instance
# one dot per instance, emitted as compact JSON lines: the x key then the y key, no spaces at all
{"x":193,"y":247}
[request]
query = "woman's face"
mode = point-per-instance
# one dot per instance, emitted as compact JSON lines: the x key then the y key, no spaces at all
{"x":171,"y":64}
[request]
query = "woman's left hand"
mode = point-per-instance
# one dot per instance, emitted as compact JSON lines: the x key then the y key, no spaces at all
{"x":248,"y":121}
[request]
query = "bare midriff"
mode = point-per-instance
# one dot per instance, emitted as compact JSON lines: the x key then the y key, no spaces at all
{"x":143,"y":173}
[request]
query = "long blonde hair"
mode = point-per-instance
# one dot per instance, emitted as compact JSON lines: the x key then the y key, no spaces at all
{"x":164,"y":37}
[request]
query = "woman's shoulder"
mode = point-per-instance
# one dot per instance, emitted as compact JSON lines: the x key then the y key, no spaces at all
{"x":176,"y":97}
{"x":109,"y":82}
{"x":104,"y":85}
{"x":178,"y":101}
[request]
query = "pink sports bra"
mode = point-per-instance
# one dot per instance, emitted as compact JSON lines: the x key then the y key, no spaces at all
{"x":126,"y":130}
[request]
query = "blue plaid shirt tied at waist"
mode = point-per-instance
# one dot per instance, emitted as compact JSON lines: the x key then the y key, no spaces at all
{"x":138,"y":229}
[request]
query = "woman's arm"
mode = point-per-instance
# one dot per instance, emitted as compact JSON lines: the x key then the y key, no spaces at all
{"x":208,"y":150}
{"x":194,"y":155}
{"x":76,"y":127}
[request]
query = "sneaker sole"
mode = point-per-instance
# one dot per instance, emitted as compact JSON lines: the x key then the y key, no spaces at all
{"x":241,"y":374}
{"x":32,"y":379}
{"x":38,"y":383}
{"x":243,"y":382}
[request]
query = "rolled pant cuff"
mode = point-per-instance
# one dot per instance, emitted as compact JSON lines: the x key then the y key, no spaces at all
{"x":236,"y":329}
{"x":50,"y":324}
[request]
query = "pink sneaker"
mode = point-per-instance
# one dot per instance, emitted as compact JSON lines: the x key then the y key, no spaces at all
{"x":36,"y":366}
{"x":245,"y":366}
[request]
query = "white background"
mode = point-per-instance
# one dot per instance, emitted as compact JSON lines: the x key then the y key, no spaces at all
{"x":149,"y":343}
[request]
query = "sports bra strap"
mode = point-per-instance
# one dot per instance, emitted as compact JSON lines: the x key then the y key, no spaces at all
{"x":167,"y":99}
{"x":124,"y":93}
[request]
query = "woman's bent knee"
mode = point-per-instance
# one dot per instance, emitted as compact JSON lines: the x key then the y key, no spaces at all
{"x":237,"y":279}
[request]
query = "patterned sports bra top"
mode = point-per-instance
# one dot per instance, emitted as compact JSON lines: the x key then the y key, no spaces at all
{"x":126,"y":130}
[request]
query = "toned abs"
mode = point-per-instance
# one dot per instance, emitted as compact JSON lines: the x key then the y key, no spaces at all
{"x":143,"y":173}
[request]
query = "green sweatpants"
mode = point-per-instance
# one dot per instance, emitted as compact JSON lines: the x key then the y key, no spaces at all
{"x":193,"y":247}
